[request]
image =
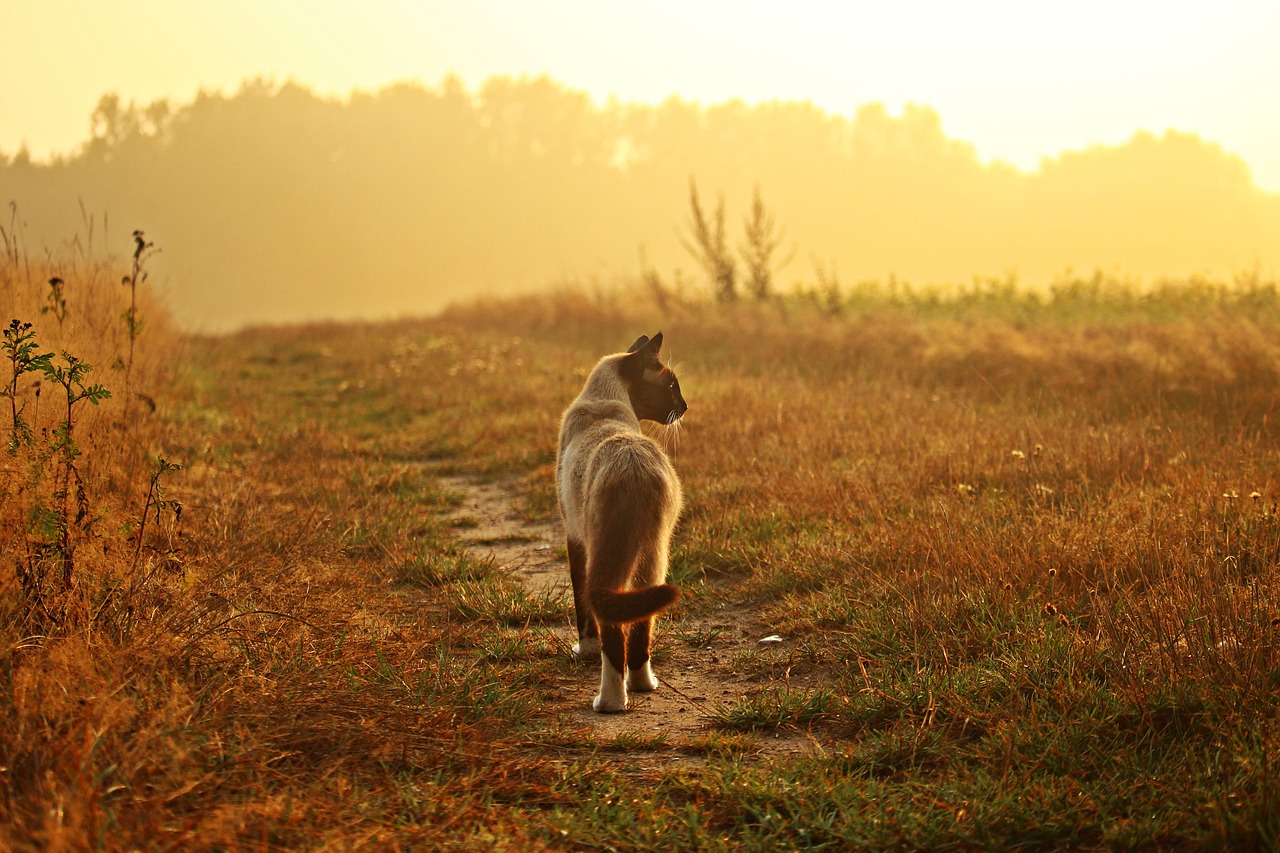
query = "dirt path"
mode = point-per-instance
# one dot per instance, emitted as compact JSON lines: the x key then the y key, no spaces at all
{"x":700,"y":660}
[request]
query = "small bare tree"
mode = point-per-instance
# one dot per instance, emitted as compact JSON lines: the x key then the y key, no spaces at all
{"x":763,"y":239}
{"x":709,"y":246}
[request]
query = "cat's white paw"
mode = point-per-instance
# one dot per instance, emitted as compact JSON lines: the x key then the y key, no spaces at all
{"x":601,"y":705}
{"x":613,"y":690}
{"x":587,"y":647}
{"x":642,"y":680}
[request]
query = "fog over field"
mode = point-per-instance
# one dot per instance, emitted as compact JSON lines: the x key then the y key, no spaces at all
{"x":276,"y":203}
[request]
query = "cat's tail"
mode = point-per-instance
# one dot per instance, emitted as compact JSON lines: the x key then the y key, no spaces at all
{"x":633,"y":605}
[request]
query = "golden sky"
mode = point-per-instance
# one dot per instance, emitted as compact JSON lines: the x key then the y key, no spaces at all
{"x":1018,"y":80}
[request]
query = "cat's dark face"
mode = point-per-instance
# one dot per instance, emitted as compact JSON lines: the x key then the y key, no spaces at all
{"x":652,"y":386}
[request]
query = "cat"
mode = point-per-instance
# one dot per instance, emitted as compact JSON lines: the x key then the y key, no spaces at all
{"x":620,"y":499}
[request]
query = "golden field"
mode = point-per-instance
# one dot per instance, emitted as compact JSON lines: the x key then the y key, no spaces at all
{"x":1022,"y":550}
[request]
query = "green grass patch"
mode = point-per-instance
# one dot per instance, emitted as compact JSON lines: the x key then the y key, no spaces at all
{"x":505,"y":602}
{"x":776,"y":708}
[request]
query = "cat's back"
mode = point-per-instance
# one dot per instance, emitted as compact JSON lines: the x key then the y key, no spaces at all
{"x":621,"y":473}
{"x":605,"y":457}
{"x":628,"y":457}
{"x":602,"y":434}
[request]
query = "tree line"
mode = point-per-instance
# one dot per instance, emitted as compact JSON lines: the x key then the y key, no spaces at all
{"x":276,"y":203}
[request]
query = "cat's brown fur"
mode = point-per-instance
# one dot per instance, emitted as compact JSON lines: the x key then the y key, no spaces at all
{"x":620,"y":498}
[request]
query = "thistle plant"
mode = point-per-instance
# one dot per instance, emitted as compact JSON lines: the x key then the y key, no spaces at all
{"x":21,"y":350}
{"x":70,"y":376}
{"x":57,"y":301}
{"x":142,"y":250}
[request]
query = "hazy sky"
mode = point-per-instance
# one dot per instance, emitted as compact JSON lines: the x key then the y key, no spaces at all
{"x":1019,"y":80}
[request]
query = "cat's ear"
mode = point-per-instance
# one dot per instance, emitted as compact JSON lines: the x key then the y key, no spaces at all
{"x":645,"y":349}
{"x":643,"y":354}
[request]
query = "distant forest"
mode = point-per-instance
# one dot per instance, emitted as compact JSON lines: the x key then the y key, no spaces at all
{"x":277,"y":204}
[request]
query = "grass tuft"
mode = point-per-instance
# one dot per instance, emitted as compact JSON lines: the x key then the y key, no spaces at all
{"x":775,"y":708}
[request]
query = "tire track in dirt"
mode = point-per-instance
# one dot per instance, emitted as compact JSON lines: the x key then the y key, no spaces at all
{"x":701,"y":660}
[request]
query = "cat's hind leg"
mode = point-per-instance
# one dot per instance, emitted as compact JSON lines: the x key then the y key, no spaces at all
{"x":613,"y":663}
{"x":640,"y":677}
{"x":588,"y":646}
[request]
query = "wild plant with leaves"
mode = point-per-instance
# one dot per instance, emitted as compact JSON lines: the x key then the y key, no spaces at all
{"x":48,"y":541}
{"x":22,"y":351}
{"x":157,"y":502}
{"x":67,"y":486}
{"x":70,"y":377}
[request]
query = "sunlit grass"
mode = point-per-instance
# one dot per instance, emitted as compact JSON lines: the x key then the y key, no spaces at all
{"x":1025,"y":564}
{"x":1016,"y":534}
{"x":505,"y":602}
{"x":775,"y":708}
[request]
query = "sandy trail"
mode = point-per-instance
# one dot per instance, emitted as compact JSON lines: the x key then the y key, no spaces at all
{"x":700,"y":660}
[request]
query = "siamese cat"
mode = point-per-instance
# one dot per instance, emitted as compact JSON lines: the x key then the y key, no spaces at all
{"x":620,"y":499}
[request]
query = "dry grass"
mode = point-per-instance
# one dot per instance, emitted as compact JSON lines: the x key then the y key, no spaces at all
{"x":1014,"y":547}
{"x":1032,"y":544}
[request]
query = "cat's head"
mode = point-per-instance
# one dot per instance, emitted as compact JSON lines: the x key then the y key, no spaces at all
{"x":652,"y":386}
